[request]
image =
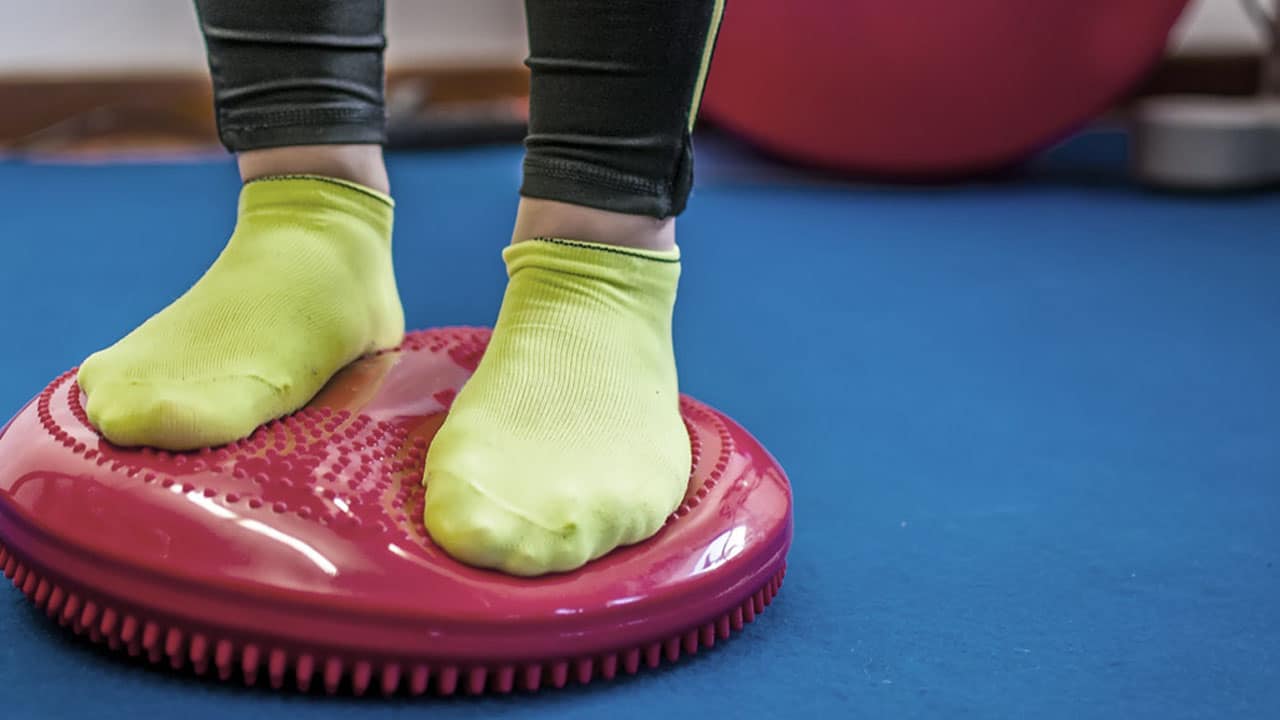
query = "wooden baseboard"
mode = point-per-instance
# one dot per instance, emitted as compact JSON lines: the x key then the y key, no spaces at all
{"x":53,"y":114}
{"x":60,"y":114}
{"x":1208,"y":74}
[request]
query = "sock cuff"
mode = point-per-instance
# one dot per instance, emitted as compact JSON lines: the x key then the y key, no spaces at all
{"x":312,"y":192}
{"x":669,"y":256}
{"x":651,"y":270}
{"x":376,"y":194}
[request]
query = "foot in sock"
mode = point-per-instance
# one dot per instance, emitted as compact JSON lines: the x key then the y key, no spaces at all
{"x":567,"y":441}
{"x":304,"y":286}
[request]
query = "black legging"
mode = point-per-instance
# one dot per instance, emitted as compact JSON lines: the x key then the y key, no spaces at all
{"x":615,"y":85}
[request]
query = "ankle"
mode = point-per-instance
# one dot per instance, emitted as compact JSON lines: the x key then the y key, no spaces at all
{"x":537,"y":218}
{"x":357,"y":163}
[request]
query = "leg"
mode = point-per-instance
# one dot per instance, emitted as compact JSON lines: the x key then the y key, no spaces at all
{"x":305,"y":284}
{"x":568,"y":442}
{"x":298,"y":86}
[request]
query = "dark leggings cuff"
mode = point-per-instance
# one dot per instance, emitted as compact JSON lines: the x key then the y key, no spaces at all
{"x":313,"y":126}
{"x":583,"y":184}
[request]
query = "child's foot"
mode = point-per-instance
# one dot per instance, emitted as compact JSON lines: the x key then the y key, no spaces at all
{"x":568,"y":441}
{"x":304,"y":287}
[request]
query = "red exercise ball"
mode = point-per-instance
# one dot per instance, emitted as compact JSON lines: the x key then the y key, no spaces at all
{"x":928,"y":87}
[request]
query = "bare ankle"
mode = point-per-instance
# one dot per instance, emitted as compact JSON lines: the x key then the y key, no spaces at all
{"x":549,"y":218}
{"x":358,"y":163}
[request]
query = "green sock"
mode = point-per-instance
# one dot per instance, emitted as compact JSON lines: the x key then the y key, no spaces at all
{"x":304,"y":286}
{"x":568,"y":441}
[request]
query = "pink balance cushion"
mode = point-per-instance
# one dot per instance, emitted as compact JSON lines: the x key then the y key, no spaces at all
{"x":928,"y":87}
{"x":298,"y":555}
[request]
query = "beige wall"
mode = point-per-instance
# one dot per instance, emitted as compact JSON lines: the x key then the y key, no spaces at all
{"x":75,"y":36}
{"x":110,"y":36}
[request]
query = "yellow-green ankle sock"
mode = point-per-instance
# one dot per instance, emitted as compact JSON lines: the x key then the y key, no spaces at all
{"x":304,"y":286}
{"x":568,"y":441}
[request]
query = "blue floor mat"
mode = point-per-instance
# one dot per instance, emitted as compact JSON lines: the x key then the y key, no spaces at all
{"x":1033,"y":428}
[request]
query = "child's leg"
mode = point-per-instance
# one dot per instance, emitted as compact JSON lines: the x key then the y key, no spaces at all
{"x":305,"y":284}
{"x":568,"y":440}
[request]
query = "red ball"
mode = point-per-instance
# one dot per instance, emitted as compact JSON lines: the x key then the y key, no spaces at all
{"x":928,"y":87}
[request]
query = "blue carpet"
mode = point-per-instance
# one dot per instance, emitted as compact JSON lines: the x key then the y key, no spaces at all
{"x":1033,"y":428}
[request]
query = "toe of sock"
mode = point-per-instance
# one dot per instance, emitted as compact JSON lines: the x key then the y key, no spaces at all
{"x":518,"y":509}
{"x":479,"y":528}
{"x":178,"y":417}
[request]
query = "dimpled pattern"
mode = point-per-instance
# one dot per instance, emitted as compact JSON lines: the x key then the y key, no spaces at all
{"x":372,"y":463}
{"x":370,"y":466}
{"x":358,"y":477}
